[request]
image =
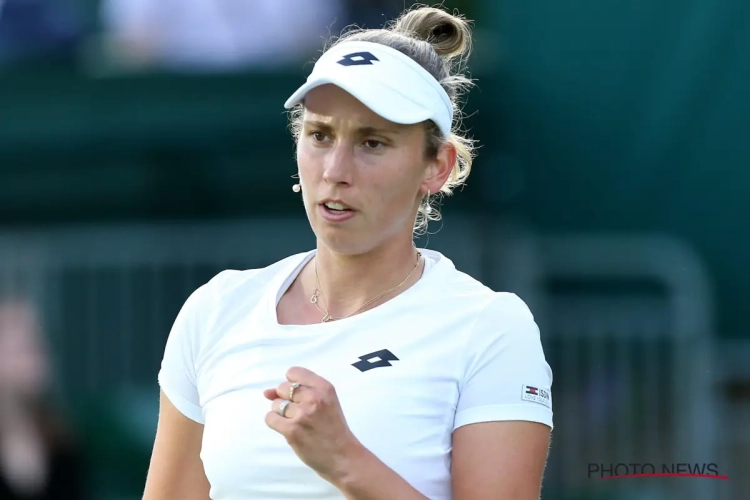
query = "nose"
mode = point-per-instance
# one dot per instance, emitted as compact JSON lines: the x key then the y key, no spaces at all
{"x":338,"y":164}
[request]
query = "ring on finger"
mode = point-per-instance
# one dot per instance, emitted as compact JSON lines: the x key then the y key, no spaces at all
{"x":293,"y":388}
{"x":282,"y":407}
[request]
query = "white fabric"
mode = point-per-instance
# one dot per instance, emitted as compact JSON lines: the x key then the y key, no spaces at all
{"x":393,"y":85}
{"x":465,"y":355}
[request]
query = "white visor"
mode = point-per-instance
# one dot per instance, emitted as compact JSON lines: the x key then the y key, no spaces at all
{"x":385,"y":80}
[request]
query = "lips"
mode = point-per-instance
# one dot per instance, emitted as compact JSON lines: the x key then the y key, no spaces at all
{"x":336,"y":211}
{"x":336,"y":205}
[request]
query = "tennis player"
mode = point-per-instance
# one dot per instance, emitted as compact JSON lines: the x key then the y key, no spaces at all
{"x":366,"y":369}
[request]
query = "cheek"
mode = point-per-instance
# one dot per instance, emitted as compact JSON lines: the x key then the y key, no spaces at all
{"x":310,"y":154}
{"x":395,"y":185}
{"x":305,"y":160}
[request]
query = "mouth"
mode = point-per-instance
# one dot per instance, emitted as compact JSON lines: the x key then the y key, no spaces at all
{"x":336,"y":211}
{"x":336,"y":206}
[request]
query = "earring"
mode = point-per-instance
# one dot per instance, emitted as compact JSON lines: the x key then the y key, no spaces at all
{"x":428,"y":208}
{"x":296,"y":188}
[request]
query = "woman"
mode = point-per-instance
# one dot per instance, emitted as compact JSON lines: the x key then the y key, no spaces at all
{"x":38,"y":458}
{"x":366,"y":369}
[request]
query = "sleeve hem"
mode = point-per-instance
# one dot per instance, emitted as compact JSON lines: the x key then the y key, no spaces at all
{"x":185,"y":407}
{"x":501,"y":413}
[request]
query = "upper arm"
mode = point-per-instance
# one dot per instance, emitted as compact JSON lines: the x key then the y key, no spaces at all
{"x":499,"y":460}
{"x":504,"y":414}
{"x":176,"y":470}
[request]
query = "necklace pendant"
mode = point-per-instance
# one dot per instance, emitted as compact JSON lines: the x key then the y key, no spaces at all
{"x":326,"y":318}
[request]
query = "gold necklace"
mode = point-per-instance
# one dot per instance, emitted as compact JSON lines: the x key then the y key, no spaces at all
{"x":327,"y":317}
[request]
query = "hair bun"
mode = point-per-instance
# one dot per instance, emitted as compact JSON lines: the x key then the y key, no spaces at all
{"x":449,"y":35}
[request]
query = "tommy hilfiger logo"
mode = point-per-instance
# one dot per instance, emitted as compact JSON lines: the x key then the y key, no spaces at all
{"x":537,"y":395}
{"x":375,"y":359}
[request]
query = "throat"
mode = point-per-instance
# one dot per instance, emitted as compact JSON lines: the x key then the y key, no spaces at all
{"x":346,"y":294}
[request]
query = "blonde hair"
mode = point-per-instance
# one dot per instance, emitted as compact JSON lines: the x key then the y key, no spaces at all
{"x":441,"y":43}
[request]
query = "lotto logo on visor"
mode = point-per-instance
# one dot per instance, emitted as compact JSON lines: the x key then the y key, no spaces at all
{"x":537,"y":395}
{"x":358,"y":59}
{"x":385,"y":80}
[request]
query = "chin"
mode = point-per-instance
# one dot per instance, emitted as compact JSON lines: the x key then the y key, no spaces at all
{"x":342,"y":245}
{"x":342,"y":241}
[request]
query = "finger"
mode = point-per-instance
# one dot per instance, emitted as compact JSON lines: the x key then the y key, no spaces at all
{"x":270,"y":394}
{"x":304,"y":377}
{"x":284,"y":390}
{"x":292,"y":409}
{"x":278,"y":423}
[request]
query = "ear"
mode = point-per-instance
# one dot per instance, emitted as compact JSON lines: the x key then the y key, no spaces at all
{"x":439,"y":169}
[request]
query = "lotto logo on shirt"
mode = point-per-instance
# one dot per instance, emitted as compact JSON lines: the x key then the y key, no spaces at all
{"x":537,"y":395}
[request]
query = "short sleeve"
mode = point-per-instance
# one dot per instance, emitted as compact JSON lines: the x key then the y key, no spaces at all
{"x":506,"y":374}
{"x":177,"y":377}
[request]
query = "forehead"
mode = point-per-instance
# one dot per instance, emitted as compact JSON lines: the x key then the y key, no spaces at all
{"x":333,"y":105}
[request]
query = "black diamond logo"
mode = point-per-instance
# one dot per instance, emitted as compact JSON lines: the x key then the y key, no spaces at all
{"x":358,"y":59}
{"x":375,"y":359}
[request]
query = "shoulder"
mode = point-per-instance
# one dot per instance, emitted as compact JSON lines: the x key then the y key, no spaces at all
{"x":461,"y":294}
{"x":485,"y":317}
{"x":504,"y":371}
{"x":505,"y":308}
{"x":494,"y":323}
{"x":504,"y":344}
{"x":232,"y":284}
{"x":232,"y":293}
{"x":215,"y":308}
{"x":504,"y":322}
{"x":474,"y":297}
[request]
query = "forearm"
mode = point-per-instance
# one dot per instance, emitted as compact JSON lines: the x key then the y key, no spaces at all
{"x":368,"y":478}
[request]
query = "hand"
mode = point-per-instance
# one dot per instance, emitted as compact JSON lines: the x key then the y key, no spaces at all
{"x":314,"y":424}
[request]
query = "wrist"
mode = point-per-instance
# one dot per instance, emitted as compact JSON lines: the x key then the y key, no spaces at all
{"x":353,"y":461}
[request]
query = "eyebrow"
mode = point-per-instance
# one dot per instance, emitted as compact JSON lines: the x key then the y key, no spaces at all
{"x":367,"y":130}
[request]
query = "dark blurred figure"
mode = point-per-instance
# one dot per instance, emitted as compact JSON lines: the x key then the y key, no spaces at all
{"x":39,"y":459}
{"x":39,"y":29}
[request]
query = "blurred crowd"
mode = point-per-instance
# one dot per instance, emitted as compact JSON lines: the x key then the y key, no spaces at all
{"x":40,"y":459}
{"x":200,"y":35}
{"x":38,"y":28}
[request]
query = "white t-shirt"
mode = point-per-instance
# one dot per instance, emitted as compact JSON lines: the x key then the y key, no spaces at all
{"x":446,"y":352}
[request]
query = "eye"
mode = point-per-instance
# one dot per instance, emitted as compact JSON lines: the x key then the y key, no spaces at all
{"x":373,"y":144}
{"x":318,"y":136}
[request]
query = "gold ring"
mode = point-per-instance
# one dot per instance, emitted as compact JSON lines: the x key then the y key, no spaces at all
{"x":292,"y":388}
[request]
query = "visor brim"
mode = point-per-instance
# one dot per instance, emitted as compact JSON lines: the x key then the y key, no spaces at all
{"x":383,"y":100}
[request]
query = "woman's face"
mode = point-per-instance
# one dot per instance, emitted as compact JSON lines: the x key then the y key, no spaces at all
{"x":23,"y":368}
{"x":375,"y":169}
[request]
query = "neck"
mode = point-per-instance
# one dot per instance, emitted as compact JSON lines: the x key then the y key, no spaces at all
{"x":348,"y":282}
